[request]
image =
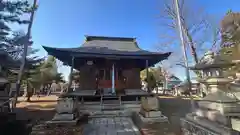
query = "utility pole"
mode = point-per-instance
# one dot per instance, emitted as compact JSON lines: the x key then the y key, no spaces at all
{"x":184,"y":52}
{"x":24,"y":55}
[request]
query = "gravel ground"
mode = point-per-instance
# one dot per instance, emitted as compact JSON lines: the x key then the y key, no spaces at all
{"x":57,"y":130}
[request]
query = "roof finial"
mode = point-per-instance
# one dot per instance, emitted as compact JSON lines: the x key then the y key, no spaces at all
{"x":86,"y":38}
{"x":134,"y":40}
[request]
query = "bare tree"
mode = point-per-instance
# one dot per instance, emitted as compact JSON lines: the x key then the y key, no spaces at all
{"x":199,"y":30}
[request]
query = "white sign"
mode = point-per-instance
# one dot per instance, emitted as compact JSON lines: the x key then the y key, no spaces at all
{"x":89,"y":62}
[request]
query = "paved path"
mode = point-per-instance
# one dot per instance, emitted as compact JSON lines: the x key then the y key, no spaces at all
{"x":111,"y":126}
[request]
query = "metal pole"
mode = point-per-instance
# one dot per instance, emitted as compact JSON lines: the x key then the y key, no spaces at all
{"x":24,"y":55}
{"x":184,"y":51}
{"x":113,"y":79}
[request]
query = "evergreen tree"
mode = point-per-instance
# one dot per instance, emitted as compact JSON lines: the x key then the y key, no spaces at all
{"x":32,"y":69}
{"x":231,"y":40}
{"x":11,"y":12}
{"x":40,"y":72}
{"x":230,"y":26}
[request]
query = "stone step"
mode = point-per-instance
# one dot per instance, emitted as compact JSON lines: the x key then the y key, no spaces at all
{"x":111,"y":107}
{"x":109,"y":97}
{"x":111,"y":102}
{"x":116,"y":104}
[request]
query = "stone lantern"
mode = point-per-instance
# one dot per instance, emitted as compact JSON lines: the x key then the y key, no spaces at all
{"x":218,"y":112}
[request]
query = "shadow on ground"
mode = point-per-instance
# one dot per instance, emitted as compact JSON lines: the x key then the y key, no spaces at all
{"x":35,"y":113}
{"x":174,"y":109}
{"x":21,"y":123}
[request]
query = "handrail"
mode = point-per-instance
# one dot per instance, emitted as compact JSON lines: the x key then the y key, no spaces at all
{"x":5,"y":102}
{"x":2,"y":105}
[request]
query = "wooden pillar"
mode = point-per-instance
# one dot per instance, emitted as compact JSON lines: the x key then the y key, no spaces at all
{"x":147,"y":75}
{"x":70,"y":75}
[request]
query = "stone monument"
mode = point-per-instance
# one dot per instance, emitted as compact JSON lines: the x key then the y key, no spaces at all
{"x":65,"y":120}
{"x":67,"y":111}
{"x":218,"y":112}
{"x":149,"y":111}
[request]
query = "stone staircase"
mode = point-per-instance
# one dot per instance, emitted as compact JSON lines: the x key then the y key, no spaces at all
{"x":110,"y":102}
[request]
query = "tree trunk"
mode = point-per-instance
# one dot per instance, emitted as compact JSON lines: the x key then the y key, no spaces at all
{"x":28,"y":98}
{"x":28,"y":36}
{"x":191,"y":44}
{"x":29,"y":93}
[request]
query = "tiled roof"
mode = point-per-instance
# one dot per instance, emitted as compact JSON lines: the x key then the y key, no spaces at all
{"x":111,"y":43}
{"x":106,"y":45}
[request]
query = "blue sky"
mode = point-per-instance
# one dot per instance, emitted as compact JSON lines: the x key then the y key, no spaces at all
{"x":63,"y":23}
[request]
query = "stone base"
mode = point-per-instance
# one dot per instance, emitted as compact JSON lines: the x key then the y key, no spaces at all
{"x":60,"y":117}
{"x":235,"y":124}
{"x":161,"y":118}
{"x":193,"y":124}
{"x":64,"y":122}
{"x":214,"y":116}
{"x":150,"y":114}
{"x":64,"y":119}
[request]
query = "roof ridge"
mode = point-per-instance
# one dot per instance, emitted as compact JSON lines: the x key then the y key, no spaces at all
{"x":112,"y":38}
